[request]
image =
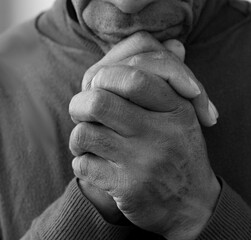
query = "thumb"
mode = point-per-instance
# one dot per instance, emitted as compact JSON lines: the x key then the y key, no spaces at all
{"x":137,"y":43}
{"x":176,"y":47}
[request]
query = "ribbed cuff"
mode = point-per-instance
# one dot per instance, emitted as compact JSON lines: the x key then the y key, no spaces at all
{"x":74,"y":217}
{"x":231,"y":218}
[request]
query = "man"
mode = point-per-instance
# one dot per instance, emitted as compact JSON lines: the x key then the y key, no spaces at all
{"x":141,"y":161}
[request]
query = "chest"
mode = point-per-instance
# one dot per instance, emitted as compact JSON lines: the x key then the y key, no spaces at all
{"x":225,"y":72}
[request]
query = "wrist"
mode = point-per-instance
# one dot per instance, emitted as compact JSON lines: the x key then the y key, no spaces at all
{"x":194,"y":215}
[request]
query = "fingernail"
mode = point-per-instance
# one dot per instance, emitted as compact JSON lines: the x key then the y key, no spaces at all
{"x":214,"y":109}
{"x":194,"y":86}
{"x":212,"y":113}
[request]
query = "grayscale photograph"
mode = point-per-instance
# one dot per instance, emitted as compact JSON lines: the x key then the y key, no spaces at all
{"x":125,"y":119}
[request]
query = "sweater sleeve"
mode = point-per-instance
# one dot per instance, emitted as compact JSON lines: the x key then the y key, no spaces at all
{"x":231,"y":218}
{"x":73,"y":217}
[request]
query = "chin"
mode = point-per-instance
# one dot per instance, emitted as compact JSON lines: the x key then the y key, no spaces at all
{"x":164,"y":19}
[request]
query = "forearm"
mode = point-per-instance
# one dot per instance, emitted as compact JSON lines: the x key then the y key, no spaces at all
{"x":72,"y":216}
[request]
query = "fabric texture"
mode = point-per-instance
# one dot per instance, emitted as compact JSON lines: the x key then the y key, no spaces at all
{"x":69,"y":223}
{"x":41,"y":67}
{"x":231,"y":219}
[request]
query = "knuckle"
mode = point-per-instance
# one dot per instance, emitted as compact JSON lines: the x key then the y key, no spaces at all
{"x":87,"y":79}
{"x":73,"y":104}
{"x":81,"y":166}
{"x":84,"y":167}
{"x":78,"y":139}
{"x":97,"y":103}
{"x":139,"y":84}
{"x":74,"y":120}
{"x":98,"y":78}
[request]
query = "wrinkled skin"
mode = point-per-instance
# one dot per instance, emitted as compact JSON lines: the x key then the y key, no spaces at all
{"x":113,"y":20}
{"x":151,"y":160}
{"x":137,"y":142}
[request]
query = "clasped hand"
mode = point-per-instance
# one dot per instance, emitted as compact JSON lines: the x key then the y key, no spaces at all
{"x":138,"y":141}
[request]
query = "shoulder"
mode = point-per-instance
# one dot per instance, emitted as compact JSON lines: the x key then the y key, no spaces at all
{"x":19,"y":39}
{"x":17,"y":46}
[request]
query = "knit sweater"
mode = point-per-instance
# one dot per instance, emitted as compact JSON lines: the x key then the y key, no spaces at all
{"x":42,"y":64}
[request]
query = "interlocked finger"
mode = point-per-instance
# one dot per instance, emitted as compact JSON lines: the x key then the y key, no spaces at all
{"x":96,"y":171}
{"x":135,"y":44}
{"x":96,"y":139}
{"x":109,"y":109}
{"x":167,"y":66}
{"x":140,"y":87}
